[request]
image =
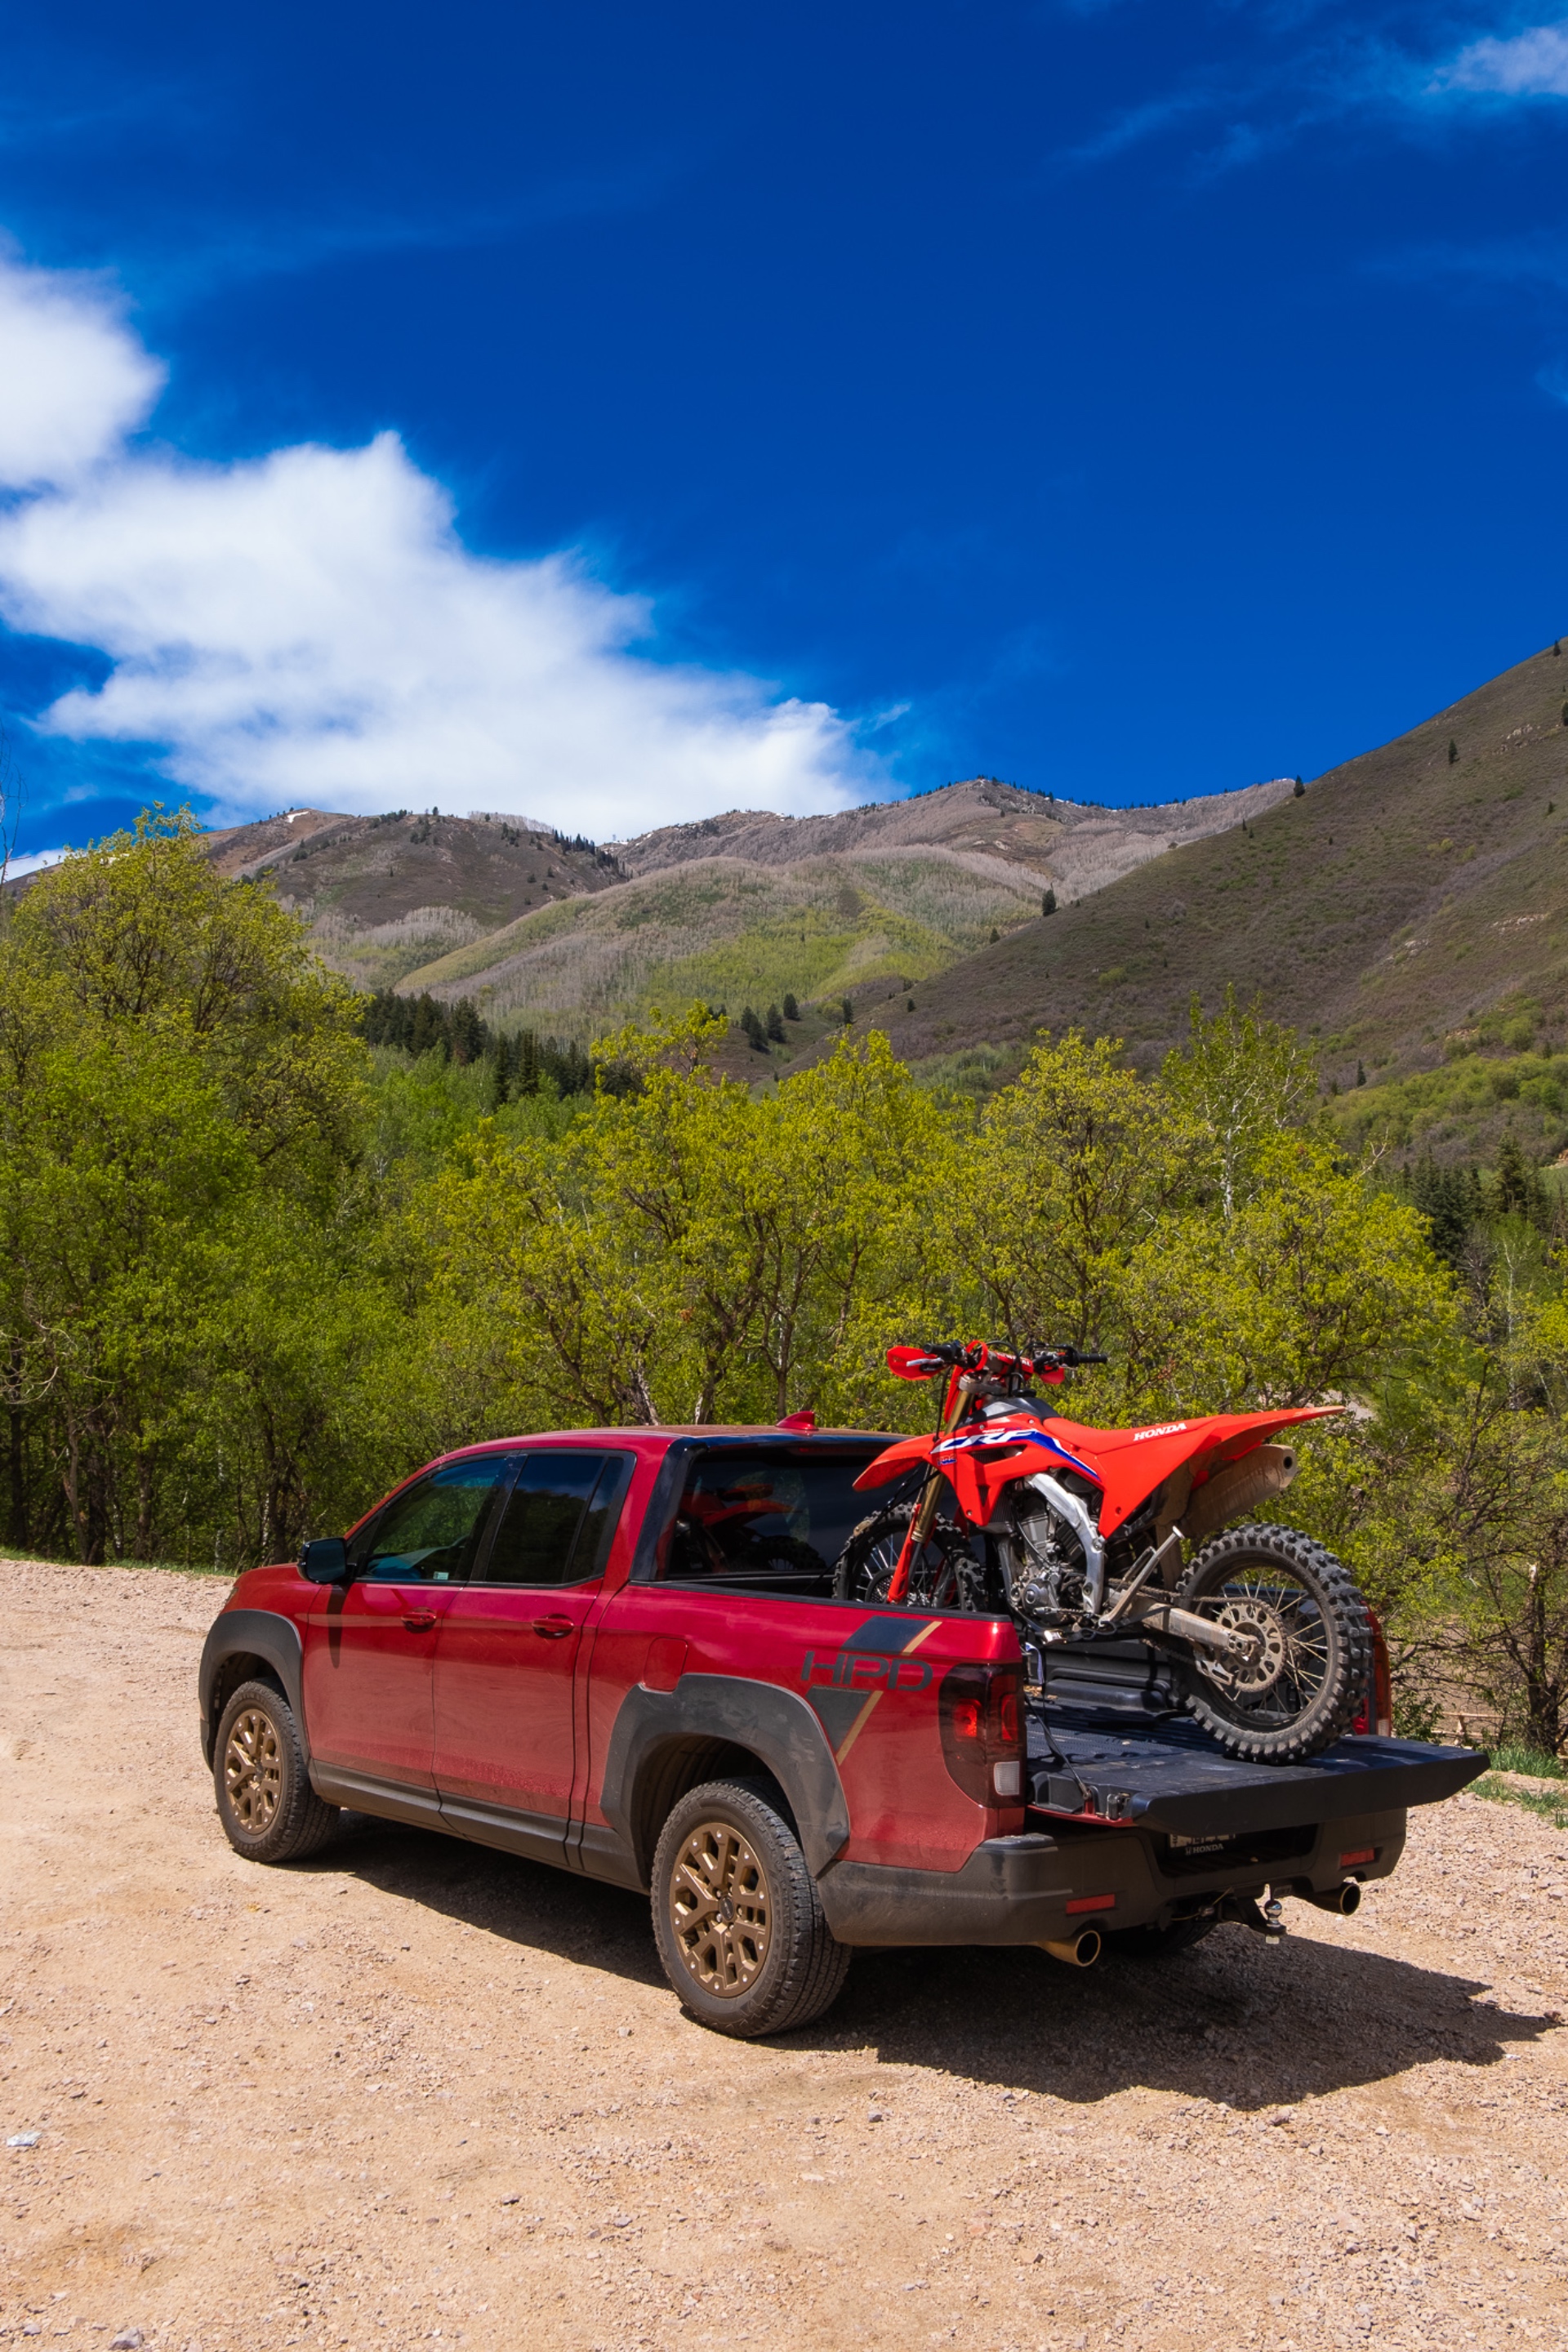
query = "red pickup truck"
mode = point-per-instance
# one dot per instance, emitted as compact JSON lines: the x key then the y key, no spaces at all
{"x":617,"y":1651}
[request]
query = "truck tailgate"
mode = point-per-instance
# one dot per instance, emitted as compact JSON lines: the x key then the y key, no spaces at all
{"x":1169,"y":1776}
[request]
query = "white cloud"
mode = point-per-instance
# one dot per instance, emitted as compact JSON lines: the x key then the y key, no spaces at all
{"x":1532,"y":64}
{"x":309,"y":627}
{"x":34,"y":863}
{"x":73,"y":379}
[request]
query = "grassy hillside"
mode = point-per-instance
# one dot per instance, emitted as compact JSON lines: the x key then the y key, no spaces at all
{"x":1409,"y":907}
{"x":383,"y":895}
{"x":733,"y":934}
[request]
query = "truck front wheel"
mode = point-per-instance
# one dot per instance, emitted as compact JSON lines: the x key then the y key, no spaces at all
{"x":736,"y":1916}
{"x":268,"y":1810}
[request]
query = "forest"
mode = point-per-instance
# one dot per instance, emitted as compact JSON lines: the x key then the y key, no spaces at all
{"x":269,"y":1244}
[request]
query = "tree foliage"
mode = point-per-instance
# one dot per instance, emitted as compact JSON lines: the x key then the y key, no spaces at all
{"x":254,"y":1270}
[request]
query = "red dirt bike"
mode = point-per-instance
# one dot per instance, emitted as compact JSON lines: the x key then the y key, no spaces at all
{"x":1078,"y":1533}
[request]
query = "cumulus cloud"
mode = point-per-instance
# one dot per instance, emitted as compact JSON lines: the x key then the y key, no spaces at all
{"x":309,"y":627}
{"x":74,"y":379}
{"x":1532,"y":64}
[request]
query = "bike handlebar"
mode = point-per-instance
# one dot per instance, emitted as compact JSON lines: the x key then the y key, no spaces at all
{"x":974,"y":1356}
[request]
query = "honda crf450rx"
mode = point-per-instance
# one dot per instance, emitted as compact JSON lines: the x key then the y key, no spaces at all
{"x":1098,"y":1533}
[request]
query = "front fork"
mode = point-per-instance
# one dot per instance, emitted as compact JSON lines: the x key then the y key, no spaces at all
{"x":924,"y":1514}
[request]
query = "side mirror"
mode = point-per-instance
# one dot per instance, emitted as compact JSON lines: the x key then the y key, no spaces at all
{"x":325,"y":1562}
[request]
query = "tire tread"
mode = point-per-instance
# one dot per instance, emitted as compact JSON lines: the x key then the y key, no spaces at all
{"x":303,"y":1822}
{"x":1334,"y":1710}
{"x":816,"y":1963}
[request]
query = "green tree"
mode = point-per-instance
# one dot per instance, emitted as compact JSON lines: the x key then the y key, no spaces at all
{"x":1453,"y":752}
{"x":1238,"y":1081}
{"x":174,"y":1064}
{"x":791,"y":1009}
{"x":1049,"y":902}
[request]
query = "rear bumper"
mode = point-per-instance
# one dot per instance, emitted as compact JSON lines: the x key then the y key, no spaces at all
{"x":1017,"y":1890}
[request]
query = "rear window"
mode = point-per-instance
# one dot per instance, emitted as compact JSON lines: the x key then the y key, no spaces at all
{"x":771,"y":1519}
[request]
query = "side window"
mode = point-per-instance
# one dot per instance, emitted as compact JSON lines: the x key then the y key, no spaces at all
{"x":559,"y":1518}
{"x":431,"y":1532}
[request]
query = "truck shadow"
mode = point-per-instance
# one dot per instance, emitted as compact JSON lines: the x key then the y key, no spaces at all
{"x":1231,"y":2020}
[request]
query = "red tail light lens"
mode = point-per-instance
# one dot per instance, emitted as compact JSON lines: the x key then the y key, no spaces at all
{"x":1377,"y":1706}
{"x":982,"y":1732}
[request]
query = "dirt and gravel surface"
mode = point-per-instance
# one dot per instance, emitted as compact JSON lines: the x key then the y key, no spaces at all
{"x":413,"y":2092}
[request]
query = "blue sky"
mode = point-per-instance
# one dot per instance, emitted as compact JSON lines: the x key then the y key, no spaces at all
{"x":617,"y":415}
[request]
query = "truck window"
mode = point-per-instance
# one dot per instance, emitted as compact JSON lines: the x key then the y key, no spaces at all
{"x":771,"y":1520}
{"x":431,"y":1531}
{"x":559,"y":1518}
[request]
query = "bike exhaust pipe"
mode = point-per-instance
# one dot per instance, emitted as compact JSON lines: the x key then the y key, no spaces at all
{"x":1345,"y":1900}
{"x":1079,"y":1951}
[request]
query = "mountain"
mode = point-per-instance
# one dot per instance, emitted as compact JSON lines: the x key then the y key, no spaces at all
{"x":571,"y":938}
{"x":1410,"y":906}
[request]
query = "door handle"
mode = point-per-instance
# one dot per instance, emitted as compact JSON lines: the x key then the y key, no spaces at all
{"x":419,"y":1620}
{"x":554,"y":1628}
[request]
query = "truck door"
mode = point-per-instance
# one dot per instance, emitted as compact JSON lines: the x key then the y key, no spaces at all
{"x":509,"y":1648}
{"x":370,"y":1644}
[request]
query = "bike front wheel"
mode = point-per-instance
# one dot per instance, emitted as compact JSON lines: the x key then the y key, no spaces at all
{"x":943,"y":1575}
{"x":1298,"y":1686}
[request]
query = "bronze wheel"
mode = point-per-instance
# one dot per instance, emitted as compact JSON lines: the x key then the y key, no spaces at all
{"x":253,"y":1770}
{"x":720,"y":1911}
{"x":261,"y":1780}
{"x":736,"y":1914}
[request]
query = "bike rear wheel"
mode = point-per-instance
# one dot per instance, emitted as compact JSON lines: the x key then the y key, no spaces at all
{"x":1300,"y":1689}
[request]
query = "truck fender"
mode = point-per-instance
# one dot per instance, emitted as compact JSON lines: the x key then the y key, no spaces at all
{"x":259,"y":1634}
{"x":778,"y":1728}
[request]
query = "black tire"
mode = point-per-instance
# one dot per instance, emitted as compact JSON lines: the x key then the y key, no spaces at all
{"x":1158,"y":1943}
{"x":945,"y":1576}
{"x":268,"y":1810}
{"x":1318,"y":1645}
{"x":772,"y":1964}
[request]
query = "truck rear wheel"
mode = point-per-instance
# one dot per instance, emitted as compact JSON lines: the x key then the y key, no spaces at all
{"x":736,"y":1916}
{"x":268,"y":1810}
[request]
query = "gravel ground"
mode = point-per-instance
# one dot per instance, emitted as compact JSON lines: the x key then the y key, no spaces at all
{"x":415,"y":2091}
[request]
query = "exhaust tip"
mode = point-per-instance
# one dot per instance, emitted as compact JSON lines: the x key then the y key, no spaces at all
{"x":1079,"y":1951}
{"x":1343,"y":1901}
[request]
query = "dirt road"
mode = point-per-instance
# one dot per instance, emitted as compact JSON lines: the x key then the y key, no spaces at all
{"x":417,"y":2092}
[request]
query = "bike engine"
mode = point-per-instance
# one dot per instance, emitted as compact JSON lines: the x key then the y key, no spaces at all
{"x":1047,"y":1567}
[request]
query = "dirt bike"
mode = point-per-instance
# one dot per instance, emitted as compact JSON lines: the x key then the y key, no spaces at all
{"x":1079,"y":1534}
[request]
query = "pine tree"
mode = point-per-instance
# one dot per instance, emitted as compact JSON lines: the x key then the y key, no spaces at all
{"x":848,"y":1010}
{"x":1516,"y":1188}
{"x":775,"y":1025}
{"x":1301,"y":788}
{"x":470,"y":1036}
{"x":1453,"y":751}
{"x":1444,"y":1197}
{"x":498,"y":1086}
{"x":1049,"y":903}
{"x":996,"y":934}
{"x":1361,"y":1073}
{"x":753,"y":1029}
{"x":791,"y":1009}
{"x":525,"y":1064}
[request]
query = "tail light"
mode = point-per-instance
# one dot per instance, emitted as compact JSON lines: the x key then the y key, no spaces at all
{"x":981,"y":1719}
{"x":1377,"y":1704}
